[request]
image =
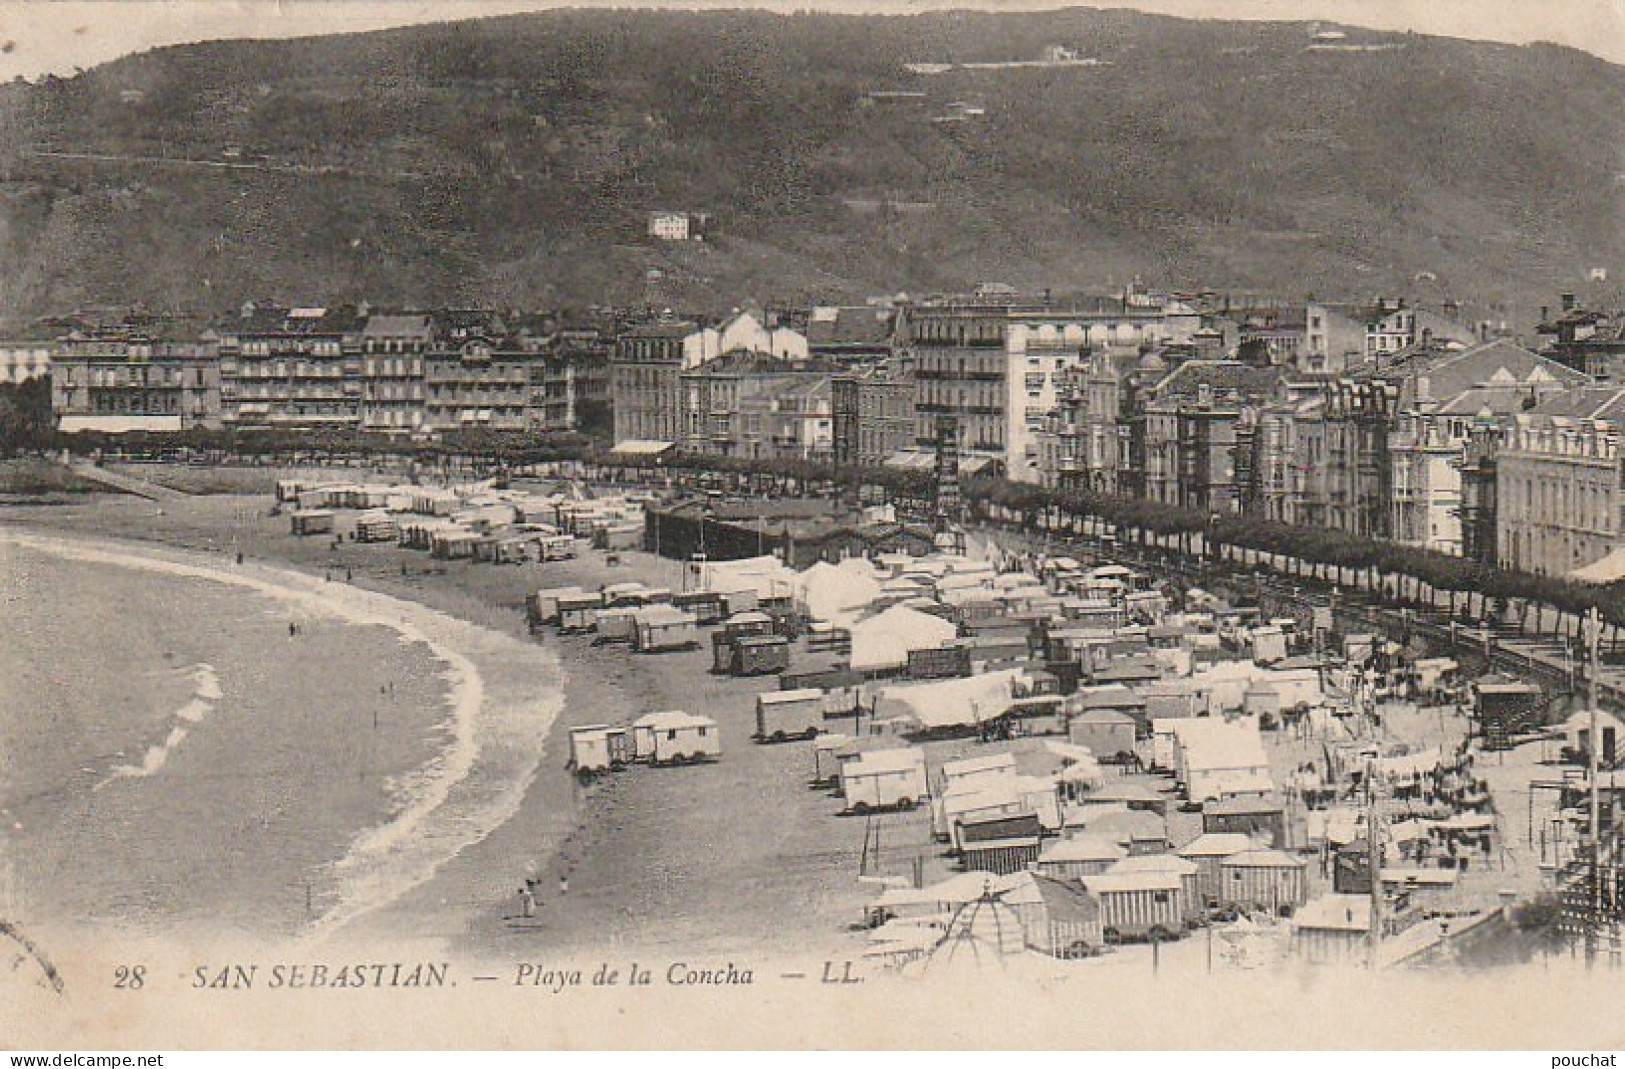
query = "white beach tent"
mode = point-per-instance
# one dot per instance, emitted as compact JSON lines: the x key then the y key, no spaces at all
{"x":832,"y":593}
{"x":884,"y":641}
{"x":766,"y":576}
{"x":948,"y":702}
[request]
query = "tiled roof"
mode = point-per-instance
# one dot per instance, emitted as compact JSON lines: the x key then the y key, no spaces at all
{"x":1591,"y":402}
{"x":1223,"y":377}
{"x":850,"y":326}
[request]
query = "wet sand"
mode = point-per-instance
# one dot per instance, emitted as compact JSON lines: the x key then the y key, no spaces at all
{"x":178,"y":764}
{"x":739,"y":855}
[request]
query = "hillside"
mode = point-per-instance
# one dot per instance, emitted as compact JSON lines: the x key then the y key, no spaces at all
{"x":512,"y":161}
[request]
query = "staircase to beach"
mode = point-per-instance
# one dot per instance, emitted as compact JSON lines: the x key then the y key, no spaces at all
{"x":128,"y":484}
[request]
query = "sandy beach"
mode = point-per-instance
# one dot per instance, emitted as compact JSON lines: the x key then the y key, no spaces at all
{"x":305,"y":781}
{"x":739,"y":855}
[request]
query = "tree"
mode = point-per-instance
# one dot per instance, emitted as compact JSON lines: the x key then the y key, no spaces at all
{"x":27,"y":424}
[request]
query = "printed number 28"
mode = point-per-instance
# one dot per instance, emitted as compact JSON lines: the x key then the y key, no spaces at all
{"x":130,"y":977}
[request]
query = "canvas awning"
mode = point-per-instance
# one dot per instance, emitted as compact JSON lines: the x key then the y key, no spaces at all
{"x":1610,"y":569}
{"x":642,"y":447}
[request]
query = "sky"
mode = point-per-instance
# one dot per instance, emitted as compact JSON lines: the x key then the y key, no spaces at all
{"x":58,"y":36}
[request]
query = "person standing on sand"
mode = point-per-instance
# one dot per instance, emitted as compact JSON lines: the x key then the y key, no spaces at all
{"x":527,"y":899}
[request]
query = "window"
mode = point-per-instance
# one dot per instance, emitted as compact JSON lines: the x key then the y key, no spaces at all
{"x":1159,"y":897}
{"x":671,"y":736}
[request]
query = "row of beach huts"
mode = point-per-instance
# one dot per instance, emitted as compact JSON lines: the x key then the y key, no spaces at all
{"x":477,"y":521}
{"x":1055,"y":674}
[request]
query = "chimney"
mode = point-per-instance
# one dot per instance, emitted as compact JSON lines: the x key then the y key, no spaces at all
{"x":1545,"y":313}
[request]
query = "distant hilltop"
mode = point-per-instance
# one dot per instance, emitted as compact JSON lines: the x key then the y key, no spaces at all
{"x":555,"y":160}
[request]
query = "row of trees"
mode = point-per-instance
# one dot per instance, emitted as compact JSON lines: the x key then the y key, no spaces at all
{"x":1403,"y":573}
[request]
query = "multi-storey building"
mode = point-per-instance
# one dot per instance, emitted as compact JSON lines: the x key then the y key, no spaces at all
{"x":996,"y":366}
{"x":1342,"y":337}
{"x":477,"y":375}
{"x":136,"y":374}
{"x":959,"y":352}
{"x":292,"y":367}
{"x":1559,"y":496}
{"x":1200,"y":428}
{"x":393,"y":351}
{"x":644,"y":395}
{"x":751,"y":404}
{"x":1439,"y":397}
{"x":1585,"y":340}
{"x":1094,"y":437}
{"x":22,"y":359}
{"x":584,"y":349}
{"x":794,"y":421}
{"x":873,"y":409}
{"x":1479,"y":504}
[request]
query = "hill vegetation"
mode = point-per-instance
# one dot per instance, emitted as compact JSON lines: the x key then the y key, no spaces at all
{"x":511,"y":161}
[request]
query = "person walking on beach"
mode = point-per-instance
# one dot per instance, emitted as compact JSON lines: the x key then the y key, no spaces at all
{"x":564,"y":883}
{"x":527,"y":899}
{"x":293,"y":629}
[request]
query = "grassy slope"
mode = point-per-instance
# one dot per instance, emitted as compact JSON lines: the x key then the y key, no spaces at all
{"x":510,"y":161}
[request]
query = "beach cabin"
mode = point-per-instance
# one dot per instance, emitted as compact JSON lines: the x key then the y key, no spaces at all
{"x":578,"y":613}
{"x":884,"y":779}
{"x":1138,"y":832}
{"x":1333,"y":929}
{"x":967,"y":776}
{"x":661,"y":628}
{"x":598,"y":748}
{"x":1108,"y":733}
{"x":376,"y":527}
{"x":1268,"y":644}
{"x":707,"y":606}
{"x":1000,"y":844}
{"x":999,"y":800}
{"x":1174,"y":699}
{"x":1058,"y":917}
{"x":555,"y":547}
{"x":1132,"y":795}
{"x":1190,"y":896}
{"x":1079,"y":856}
{"x":311,"y":522}
{"x":1208,"y":852}
{"x":790,"y":714}
{"x":759,"y":655}
{"x":735,"y":628}
{"x":542,"y":607}
{"x":1262,"y":816}
{"x":452,"y":544}
{"x":1263,"y":879}
{"x":616,"y":624}
{"x":1214,"y":759}
{"x":674,"y":737}
{"x":1139,"y":905}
